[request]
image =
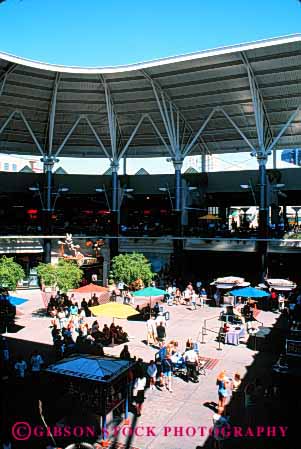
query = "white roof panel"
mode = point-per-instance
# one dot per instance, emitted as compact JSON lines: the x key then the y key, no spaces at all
{"x":194,"y":84}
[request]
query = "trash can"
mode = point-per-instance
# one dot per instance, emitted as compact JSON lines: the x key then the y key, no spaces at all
{"x":167,"y":316}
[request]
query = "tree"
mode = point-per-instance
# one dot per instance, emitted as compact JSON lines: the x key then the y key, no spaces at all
{"x":130,"y":267}
{"x":47,"y":274}
{"x":10,"y":273}
{"x":68,"y":275}
{"x":64,"y":276}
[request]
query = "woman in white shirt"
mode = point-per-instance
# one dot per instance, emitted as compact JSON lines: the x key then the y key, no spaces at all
{"x":62,"y":318}
{"x":138,"y":392}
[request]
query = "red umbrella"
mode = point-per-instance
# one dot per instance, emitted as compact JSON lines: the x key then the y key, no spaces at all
{"x":103,"y":292}
{"x":91,"y":288}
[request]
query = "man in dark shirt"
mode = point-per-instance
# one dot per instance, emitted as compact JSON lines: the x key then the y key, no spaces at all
{"x":156,"y":309}
{"x":161,"y":333}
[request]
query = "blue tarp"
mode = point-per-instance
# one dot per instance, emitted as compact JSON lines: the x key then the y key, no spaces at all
{"x":15,"y":301}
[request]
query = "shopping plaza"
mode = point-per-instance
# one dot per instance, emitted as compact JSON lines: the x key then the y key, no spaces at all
{"x":221,"y":230}
{"x":243,"y":98}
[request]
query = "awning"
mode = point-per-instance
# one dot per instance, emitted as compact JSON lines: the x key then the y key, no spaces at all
{"x":20,"y":246}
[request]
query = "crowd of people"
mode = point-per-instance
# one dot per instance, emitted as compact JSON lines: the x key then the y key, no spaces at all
{"x":19,"y":366}
{"x":71,"y":331}
{"x":62,"y":306}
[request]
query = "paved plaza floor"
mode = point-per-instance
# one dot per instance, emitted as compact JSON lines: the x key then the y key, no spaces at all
{"x":188,"y":406}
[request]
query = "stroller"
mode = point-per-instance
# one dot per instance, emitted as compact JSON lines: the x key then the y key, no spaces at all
{"x":179,"y":367}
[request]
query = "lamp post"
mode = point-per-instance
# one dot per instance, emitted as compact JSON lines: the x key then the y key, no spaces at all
{"x":104,"y":191}
{"x":167,"y":190}
{"x":48,"y":207}
{"x":115,"y":209}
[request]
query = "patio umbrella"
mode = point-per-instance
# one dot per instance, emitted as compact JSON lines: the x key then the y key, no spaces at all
{"x":249,"y":292}
{"x":113,"y":310}
{"x":91,"y":288}
{"x":150,"y":292}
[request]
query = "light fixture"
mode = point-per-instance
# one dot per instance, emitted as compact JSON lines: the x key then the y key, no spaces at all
{"x":284,"y":195}
{"x":163,"y":189}
{"x":63,"y":189}
{"x":191,"y":188}
{"x":34,"y":188}
{"x":99,"y":190}
{"x":279,"y":186}
{"x":128,"y":190}
{"x":244,"y":186}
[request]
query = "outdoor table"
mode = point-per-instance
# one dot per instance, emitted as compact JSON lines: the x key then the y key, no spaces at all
{"x":233,"y":335}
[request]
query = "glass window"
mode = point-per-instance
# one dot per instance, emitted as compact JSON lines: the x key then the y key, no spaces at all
{"x":6,"y":166}
{"x":14,"y":167}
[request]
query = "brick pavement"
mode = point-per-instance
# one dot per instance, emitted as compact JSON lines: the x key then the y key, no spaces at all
{"x":186,"y":406}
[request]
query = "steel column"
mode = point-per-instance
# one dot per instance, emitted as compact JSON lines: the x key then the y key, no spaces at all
{"x":48,"y":167}
{"x":52,"y":113}
{"x":114,"y":244}
{"x":204,"y":163}
{"x":178,"y":184}
{"x":4,"y":76}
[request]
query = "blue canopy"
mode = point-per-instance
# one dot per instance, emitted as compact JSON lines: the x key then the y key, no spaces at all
{"x":249,"y":292}
{"x":14,"y":300}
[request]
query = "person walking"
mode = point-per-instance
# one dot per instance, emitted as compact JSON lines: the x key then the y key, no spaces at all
{"x":152,"y":373}
{"x":193,"y":300}
{"x":125,"y":353}
{"x":36,"y":363}
{"x":20,"y":367}
{"x":167,"y":372}
{"x":151,"y":331}
{"x":161,"y":334}
{"x":220,"y":422}
{"x":203,"y":297}
{"x":138,"y":391}
{"x":222,"y":383}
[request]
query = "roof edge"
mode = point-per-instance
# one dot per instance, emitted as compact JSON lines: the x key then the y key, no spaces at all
{"x":153,"y":63}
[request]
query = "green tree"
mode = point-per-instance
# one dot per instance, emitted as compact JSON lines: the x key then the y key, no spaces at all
{"x":64,"y":276}
{"x":47,"y":273}
{"x":130,"y":267}
{"x":10,"y":273}
{"x":68,"y":275}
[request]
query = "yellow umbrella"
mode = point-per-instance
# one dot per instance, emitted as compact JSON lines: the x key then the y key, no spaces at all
{"x":209,"y":217}
{"x":113,"y":310}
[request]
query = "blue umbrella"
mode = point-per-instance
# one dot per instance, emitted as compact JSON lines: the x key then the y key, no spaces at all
{"x":14,"y":300}
{"x":249,"y":292}
{"x":150,"y":291}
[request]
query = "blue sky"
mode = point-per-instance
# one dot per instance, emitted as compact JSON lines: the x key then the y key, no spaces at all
{"x":111,"y":32}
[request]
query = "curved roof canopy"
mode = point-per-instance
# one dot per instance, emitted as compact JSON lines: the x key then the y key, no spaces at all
{"x":93,"y":112}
